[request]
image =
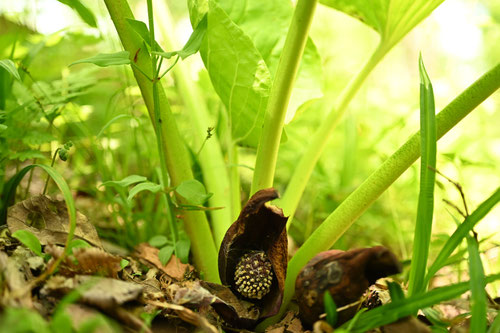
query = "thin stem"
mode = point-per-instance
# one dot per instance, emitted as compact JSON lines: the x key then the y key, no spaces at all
{"x":338,"y":222}
{"x":267,"y":151}
{"x":48,"y":176}
{"x":235,"y":181}
{"x":306,"y":165}
{"x":141,"y":71}
{"x":173,"y":148}
{"x":169,"y":68}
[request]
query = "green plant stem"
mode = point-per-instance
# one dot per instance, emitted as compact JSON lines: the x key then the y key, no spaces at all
{"x":234,"y":175}
{"x":176,"y":156}
{"x":267,"y":151}
{"x":48,"y":176}
{"x":338,"y":222}
{"x":213,"y":166}
{"x":305,"y":167}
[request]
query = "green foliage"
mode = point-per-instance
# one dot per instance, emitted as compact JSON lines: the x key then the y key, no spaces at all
{"x":78,"y":243}
{"x":127,"y":181}
{"x":391,"y":19}
{"x":145,"y":186}
{"x":193,"y":44}
{"x":86,"y":14}
{"x":29,"y":240}
{"x":193,"y":192}
{"x":124,"y":263}
{"x":461,"y":232}
{"x":425,"y":210}
{"x":477,"y":285}
{"x":42,"y":102}
{"x":158,"y":241}
{"x":395,"y":310}
{"x":165,"y":254}
{"x":142,"y":30}
{"x":226,"y":47}
{"x":20,"y":320}
{"x":330,"y":309}
{"x":10,"y":67}
{"x":395,"y":291}
{"x":106,"y":59}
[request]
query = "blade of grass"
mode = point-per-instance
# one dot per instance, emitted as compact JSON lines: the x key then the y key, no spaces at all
{"x":495,"y":326}
{"x":476,"y":285}
{"x":461,"y":232}
{"x":428,"y":148}
{"x":393,"y":311}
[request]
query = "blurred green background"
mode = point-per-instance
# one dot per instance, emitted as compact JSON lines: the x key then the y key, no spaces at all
{"x":57,"y":103}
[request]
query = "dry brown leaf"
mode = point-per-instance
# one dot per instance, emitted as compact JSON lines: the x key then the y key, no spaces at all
{"x":191,"y":293}
{"x":188,"y":316}
{"x":290,"y":324}
{"x":174,"y":268}
{"x":48,"y":220}
{"x":89,"y":261}
{"x":236,"y":312}
{"x":14,"y":283}
{"x":103,"y":293}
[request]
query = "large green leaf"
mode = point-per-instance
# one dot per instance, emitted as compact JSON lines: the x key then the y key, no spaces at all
{"x":392,"y":19}
{"x":238,"y":73}
{"x":276,"y":16}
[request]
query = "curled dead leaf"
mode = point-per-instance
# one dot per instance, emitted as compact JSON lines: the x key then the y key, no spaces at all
{"x":89,"y":261}
{"x":174,"y":267}
{"x":346,"y":275}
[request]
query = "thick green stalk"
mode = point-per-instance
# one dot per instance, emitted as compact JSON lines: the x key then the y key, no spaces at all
{"x":213,"y":166}
{"x":234,"y":175}
{"x":295,"y":42}
{"x":176,"y":156}
{"x":338,"y":222}
{"x":315,"y":148}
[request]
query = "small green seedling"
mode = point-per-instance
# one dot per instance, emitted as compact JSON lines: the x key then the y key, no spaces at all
{"x":330,"y":309}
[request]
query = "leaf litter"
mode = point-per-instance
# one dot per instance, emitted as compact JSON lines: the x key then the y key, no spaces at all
{"x":138,"y":292}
